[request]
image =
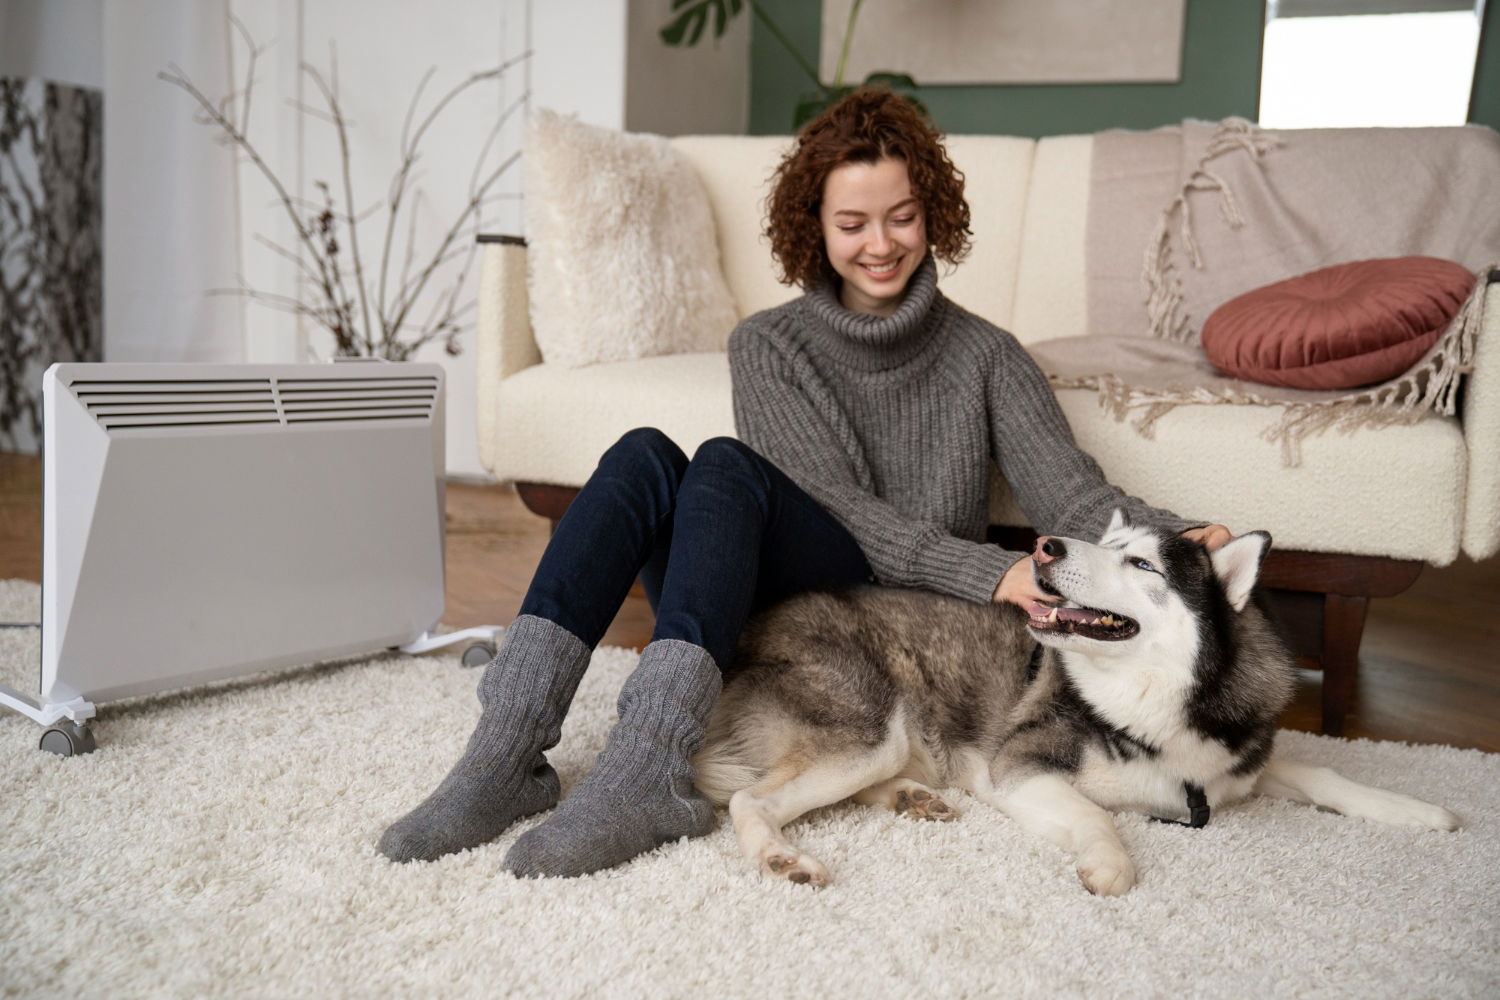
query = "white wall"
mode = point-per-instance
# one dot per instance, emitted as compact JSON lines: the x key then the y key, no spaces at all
{"x":702,"y":90}
{"x":579,"y":62}
{"x":56,"y":40}
{"x":169,"y":193}
{"x":603,"y":61}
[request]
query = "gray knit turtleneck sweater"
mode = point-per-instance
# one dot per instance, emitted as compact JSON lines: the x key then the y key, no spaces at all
{"x":891,"y":423}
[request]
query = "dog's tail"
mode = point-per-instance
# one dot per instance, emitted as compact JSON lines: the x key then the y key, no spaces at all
{"x":721,"y":769}
{"x":739,"y":748}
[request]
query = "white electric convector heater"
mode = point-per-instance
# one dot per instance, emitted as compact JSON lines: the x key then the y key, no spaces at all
{"x":206,"y":521}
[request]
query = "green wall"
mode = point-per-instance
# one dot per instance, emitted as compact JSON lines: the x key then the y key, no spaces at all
{"x":1485,"y":104}
{"x":1220,"y":77}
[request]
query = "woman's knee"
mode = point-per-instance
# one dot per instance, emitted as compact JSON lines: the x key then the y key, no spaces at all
{"x":727,"y":451}
{"x":646,"y":447}
{"x":724,"y":460}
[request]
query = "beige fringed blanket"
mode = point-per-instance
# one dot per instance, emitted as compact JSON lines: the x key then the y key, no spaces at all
{"x":1183,"y":219}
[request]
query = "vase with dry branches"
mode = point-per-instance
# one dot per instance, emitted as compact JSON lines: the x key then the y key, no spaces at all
{"x":366,"y":301}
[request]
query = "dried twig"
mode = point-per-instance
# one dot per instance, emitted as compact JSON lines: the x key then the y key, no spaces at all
{"x":230,"y":131}
{"x":330,"y":94}
{"x":363,"y":319}
{"x":407,"y":301}
{"x":411,"y":142}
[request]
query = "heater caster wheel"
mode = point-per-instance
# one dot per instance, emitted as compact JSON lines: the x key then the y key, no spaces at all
{"x":68,"y":739}
{"x":479,"y":654}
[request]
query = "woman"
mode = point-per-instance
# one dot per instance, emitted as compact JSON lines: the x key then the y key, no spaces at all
{"x":870,"y":409}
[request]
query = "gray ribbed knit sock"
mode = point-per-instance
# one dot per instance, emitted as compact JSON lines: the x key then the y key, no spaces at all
{"x":640,"y":793}
{"x":502,"y":775}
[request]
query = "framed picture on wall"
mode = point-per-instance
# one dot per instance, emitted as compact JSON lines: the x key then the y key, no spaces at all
{"x":1019,"y":41}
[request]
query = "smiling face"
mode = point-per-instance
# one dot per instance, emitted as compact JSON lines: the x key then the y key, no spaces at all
{"x":1108,"y":593}
{"x":874,"y":233}
{"x":1138,"y":587}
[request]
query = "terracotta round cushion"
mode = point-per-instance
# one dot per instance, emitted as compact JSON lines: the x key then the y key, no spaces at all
{"x":1338,"y":327}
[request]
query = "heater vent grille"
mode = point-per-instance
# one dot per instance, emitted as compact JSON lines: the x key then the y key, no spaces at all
{"x":184,"y":403}
{"x":309,"y":400}
{"x":178,"y":402}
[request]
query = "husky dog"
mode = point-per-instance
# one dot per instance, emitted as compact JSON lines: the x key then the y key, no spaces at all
{"x":1154,"y":684}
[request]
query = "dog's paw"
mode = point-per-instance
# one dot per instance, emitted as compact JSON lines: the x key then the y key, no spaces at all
{"x":785,"y":861}
{"x":922,"y":804}
{"x":1107,"y":872}
{"x":1403,"y":810}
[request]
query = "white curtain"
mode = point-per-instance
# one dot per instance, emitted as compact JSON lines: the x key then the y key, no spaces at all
{"x":185,"y":218}
{"x":169,"y":191}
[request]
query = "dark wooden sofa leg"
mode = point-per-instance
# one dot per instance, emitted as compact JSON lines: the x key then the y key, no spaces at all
{"x":1343,"y":626}
{"x":1346,"y":585}
{"x":545,"y":500}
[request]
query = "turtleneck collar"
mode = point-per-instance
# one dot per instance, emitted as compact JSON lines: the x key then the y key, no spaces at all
{"x":876,"y":343}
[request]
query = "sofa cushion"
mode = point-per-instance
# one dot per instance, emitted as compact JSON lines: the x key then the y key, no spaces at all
{"x":735,"y":171}
{"x":1395,"y":491}
{"x":1337,"y":327}
{"x":558,"y":421}
{"x":997,"y":174}
{"x":1345,"y":497}
{"x":1051,"y":293}
{"x":623,"y":258}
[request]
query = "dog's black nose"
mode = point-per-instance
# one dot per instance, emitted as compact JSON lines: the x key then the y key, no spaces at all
{"x":1054,"y":548}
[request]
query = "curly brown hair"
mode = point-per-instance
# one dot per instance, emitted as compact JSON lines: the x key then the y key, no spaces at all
{"x":868,"y":125}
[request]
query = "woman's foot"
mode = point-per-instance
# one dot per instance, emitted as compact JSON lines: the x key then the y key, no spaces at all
{"x":475,"y":803}
{"x":502,"y":775}
{"x":640,"y":793}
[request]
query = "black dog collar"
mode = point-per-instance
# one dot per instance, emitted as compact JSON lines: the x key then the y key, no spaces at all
{"x":1197,"y":803}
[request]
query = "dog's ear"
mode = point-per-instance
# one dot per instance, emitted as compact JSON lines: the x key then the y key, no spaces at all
{"x":1237,"y":564}
{"x":1117,"y":522}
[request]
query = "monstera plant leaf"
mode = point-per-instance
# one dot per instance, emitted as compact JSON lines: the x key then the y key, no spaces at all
{"x":814,"y":103}
{"x":690,"y":17}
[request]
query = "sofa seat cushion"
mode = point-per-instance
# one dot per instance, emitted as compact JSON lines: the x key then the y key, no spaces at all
{"x":557,"y":421}
{"x":1345,"y":497}
{"x":1394,"y":491}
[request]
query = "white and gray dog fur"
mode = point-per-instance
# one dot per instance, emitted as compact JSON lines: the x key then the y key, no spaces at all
{"x":1158,"y":673}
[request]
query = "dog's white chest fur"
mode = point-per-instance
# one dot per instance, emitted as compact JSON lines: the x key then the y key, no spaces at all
{"x":1155,"y":784}
{"x":1148,"y":703}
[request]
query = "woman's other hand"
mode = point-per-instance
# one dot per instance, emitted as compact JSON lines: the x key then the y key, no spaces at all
{"x":1019,"y":587}
{"x":1210,"y":536}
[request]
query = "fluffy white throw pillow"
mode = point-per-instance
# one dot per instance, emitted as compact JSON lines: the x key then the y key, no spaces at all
{"x":624,"y":259}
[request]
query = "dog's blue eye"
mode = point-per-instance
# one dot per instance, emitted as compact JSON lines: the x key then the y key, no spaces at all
{"x":1143,"y":564}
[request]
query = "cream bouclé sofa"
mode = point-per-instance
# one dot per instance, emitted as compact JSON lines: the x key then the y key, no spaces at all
{"x":1357,"y":519}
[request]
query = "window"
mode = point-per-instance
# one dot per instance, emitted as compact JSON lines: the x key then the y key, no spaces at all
{"x":1349,"y":63}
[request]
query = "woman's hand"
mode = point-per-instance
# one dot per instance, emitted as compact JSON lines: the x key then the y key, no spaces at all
{"x":1018,"y":586}
{"x":1210,"y":536}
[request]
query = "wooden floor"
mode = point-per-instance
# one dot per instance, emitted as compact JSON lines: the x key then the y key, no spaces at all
{"x":1429,"y":670}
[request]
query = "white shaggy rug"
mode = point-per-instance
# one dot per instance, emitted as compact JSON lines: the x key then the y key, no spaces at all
{"x":222,"y":843}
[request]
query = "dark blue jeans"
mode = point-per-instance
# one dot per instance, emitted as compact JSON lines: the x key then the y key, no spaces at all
{"x":712,"y":540}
